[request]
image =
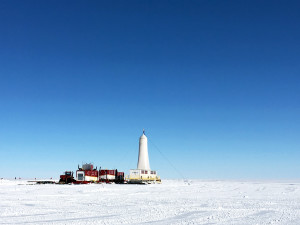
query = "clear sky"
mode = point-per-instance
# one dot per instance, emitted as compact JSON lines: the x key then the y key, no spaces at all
{"x":215,"y":84}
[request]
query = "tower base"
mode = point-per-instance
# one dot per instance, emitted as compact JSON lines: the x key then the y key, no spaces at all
{"x":143,"y":177}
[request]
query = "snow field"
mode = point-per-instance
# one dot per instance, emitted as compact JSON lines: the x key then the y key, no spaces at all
{"x":172,"y":202}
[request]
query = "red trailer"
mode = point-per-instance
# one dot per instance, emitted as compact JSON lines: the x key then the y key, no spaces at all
{"x":109,"y":176}
{"x":87,"y":174}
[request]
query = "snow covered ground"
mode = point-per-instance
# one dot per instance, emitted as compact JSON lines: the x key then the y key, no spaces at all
{"x":172,"y":202}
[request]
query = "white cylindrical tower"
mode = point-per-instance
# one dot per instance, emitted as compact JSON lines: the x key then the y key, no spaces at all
{"x":143,"y":163}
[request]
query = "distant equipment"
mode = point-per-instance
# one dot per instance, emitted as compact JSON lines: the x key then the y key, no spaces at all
{"x":142,"y":175}
{"x":67,"y":178}
{"x":87,"y":174}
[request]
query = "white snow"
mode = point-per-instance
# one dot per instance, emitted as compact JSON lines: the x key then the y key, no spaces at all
{"x":172,"y":202}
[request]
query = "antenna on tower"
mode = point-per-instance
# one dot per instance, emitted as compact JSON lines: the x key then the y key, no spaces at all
{"x":143,"y":131}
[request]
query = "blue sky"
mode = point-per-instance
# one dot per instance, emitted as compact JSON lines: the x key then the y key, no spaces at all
{"x":214,"y":83}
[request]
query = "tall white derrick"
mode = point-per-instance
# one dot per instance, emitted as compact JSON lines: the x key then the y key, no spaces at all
{"x":143,"y":174}
{"x":143,"y":162}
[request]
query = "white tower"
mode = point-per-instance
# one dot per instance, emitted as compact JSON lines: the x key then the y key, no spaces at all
{"x":143,"y":163}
